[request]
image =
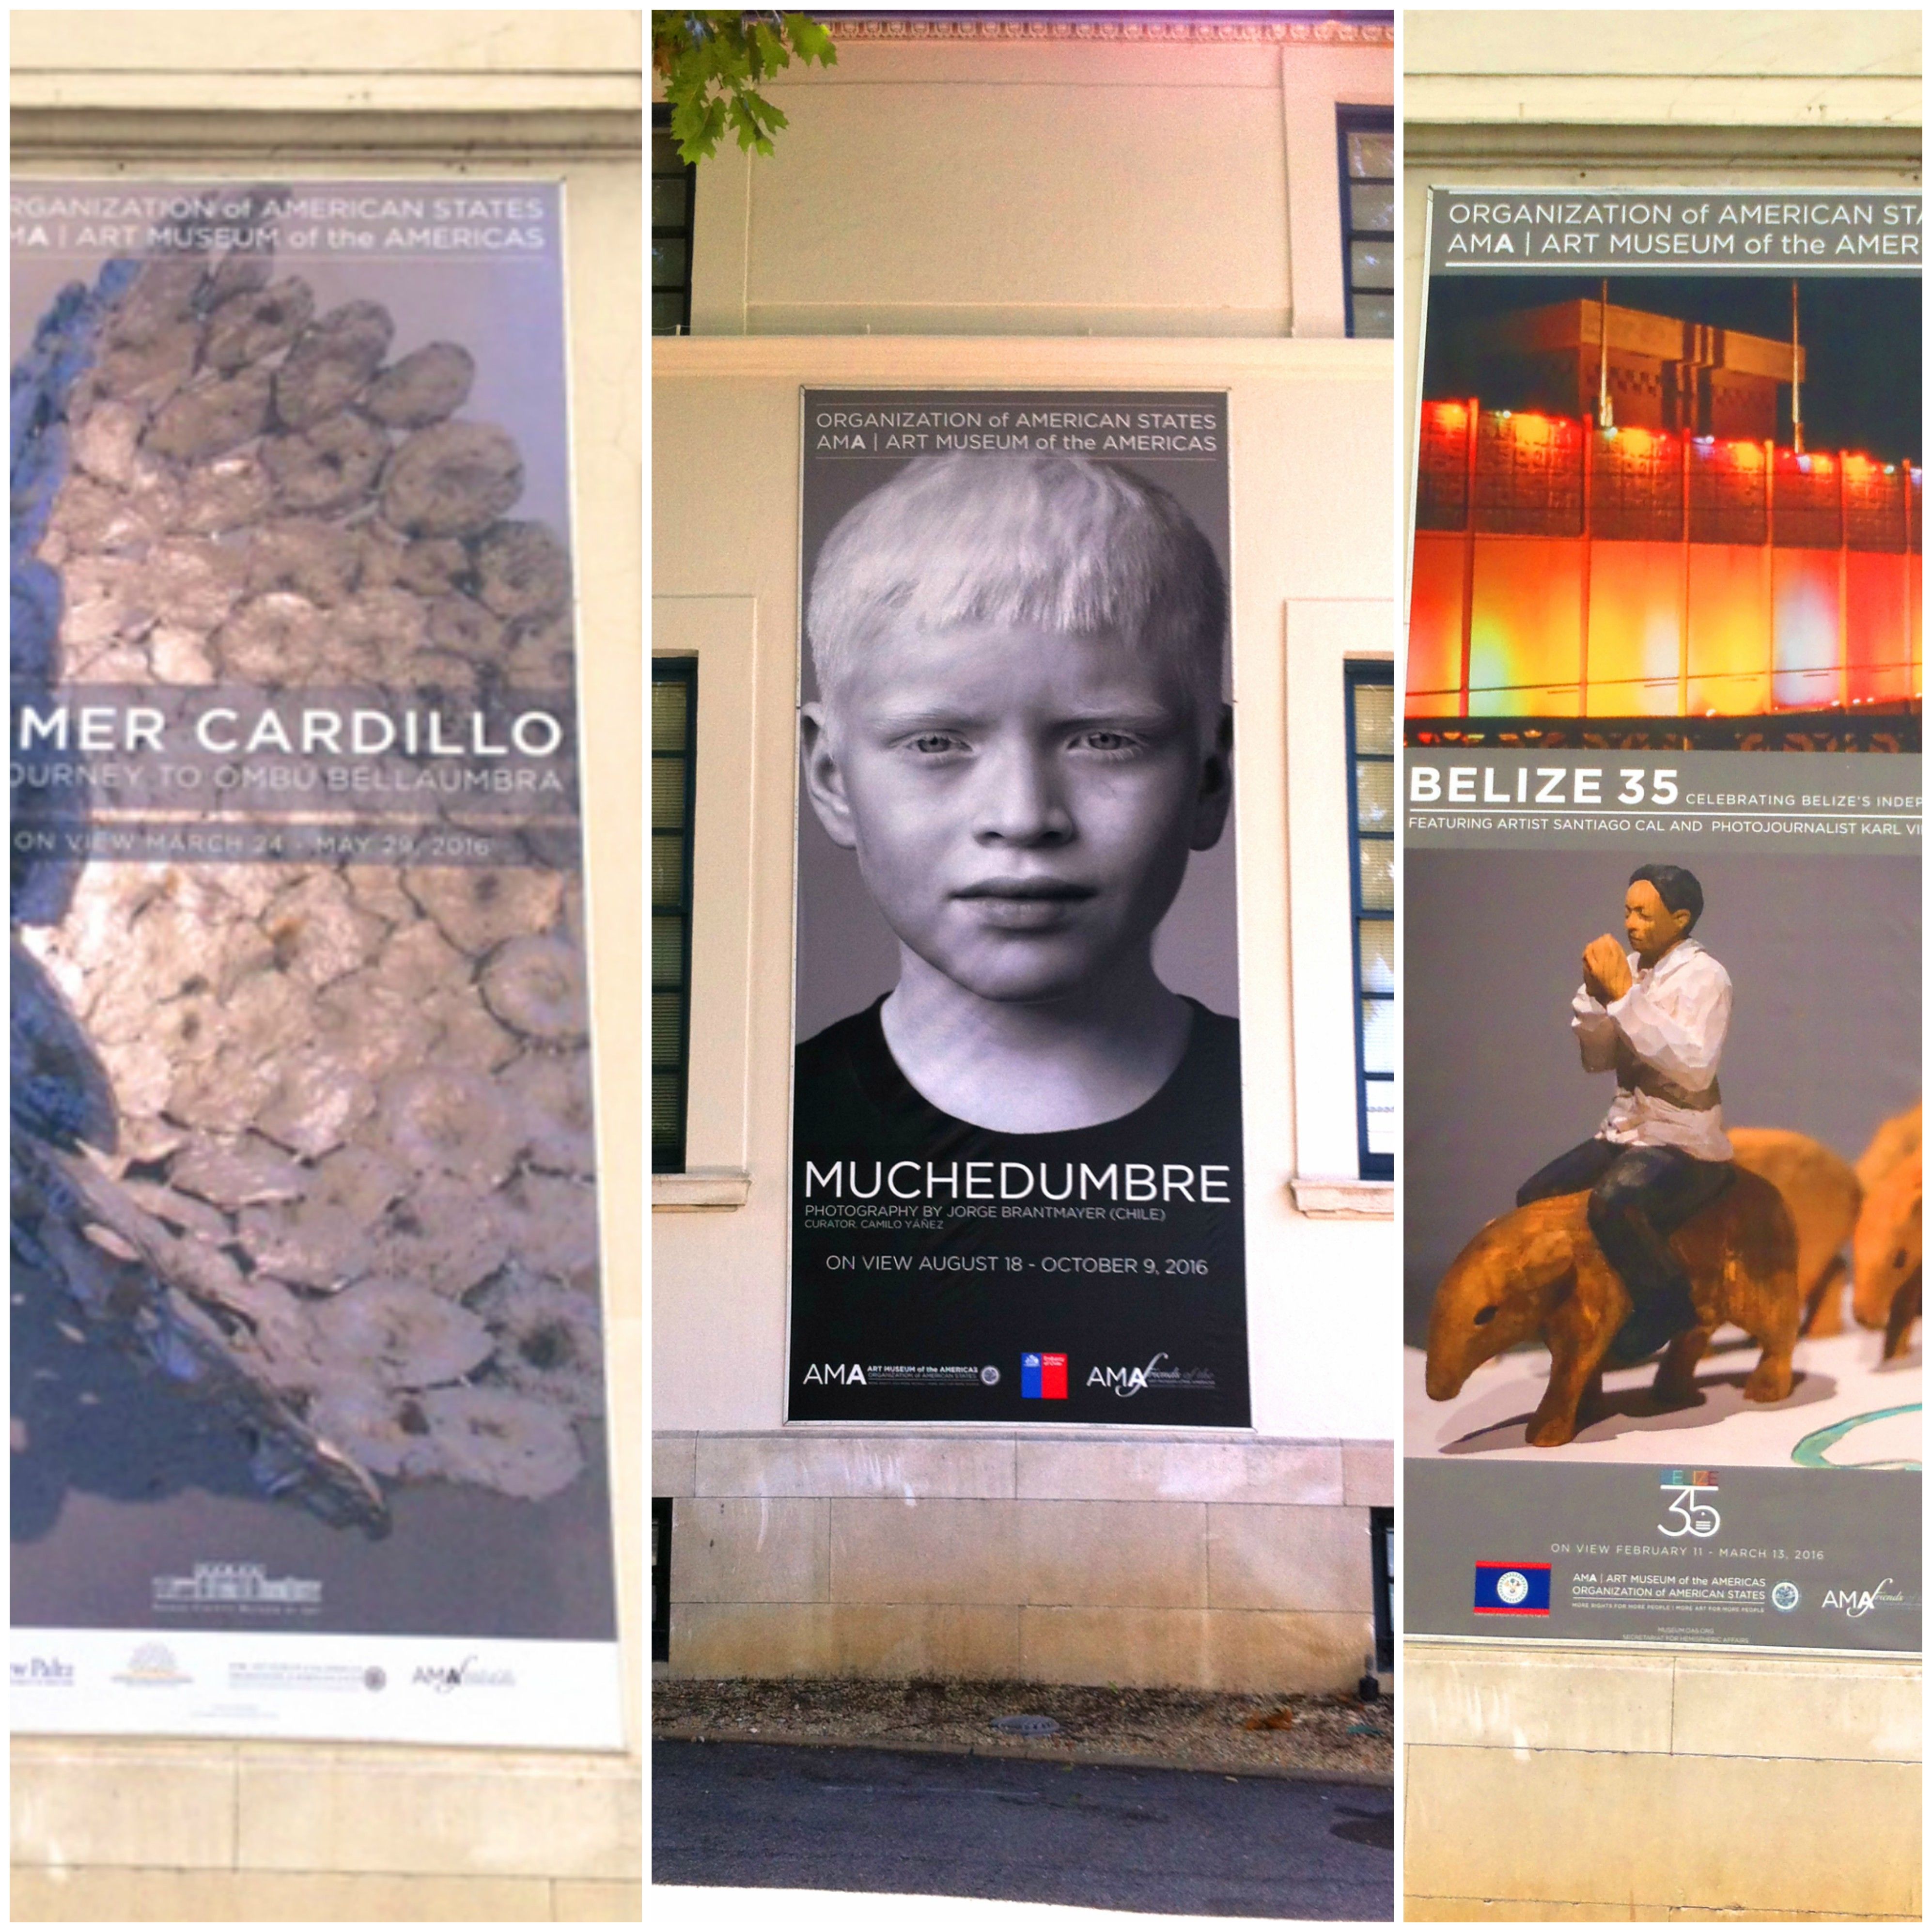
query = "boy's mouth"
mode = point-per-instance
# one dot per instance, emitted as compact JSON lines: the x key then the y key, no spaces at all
{"x":1025,"y":904}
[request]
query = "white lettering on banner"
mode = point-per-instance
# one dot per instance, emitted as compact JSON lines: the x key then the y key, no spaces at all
{"x":1205,"y":1185}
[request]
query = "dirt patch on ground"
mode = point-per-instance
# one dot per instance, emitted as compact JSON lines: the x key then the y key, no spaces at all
{"x":1323,"y":1736}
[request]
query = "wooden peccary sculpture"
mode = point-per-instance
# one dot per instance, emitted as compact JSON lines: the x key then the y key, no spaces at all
{"x":1888,"y":1252}
{"x":1538,"y":1271}
{"x":1822,"y":1193}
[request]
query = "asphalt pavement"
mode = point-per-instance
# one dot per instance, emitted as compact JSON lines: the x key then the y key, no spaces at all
{"x":1181,"y":1841}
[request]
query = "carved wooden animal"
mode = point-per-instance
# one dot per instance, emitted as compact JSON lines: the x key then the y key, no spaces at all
{"x":1896,"y":1139}
{"x":1888,"y":1252}
{"x":1822,"y":1193}
{"x":1538,"y":1271}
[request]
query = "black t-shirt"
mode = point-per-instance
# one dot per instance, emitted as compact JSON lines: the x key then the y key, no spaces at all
{"x":930,"y":1258}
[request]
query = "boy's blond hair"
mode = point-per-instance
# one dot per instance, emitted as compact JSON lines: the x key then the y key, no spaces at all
{"x":1028,"y":538}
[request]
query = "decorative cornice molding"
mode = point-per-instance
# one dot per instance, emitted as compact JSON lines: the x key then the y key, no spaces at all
{"x":1159,"y":31}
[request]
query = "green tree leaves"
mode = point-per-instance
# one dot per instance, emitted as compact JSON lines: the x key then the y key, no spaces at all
{"x":711,"y":63}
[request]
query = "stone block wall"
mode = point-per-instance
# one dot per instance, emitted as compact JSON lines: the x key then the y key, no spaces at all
{"x":1178,"y":1559}
{"x":1547,"y":1782}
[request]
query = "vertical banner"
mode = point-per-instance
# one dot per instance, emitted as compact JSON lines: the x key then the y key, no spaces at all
{"x":1017,"y":1179}
{"x":1663,"y":871}
{"x":309,"y":1418}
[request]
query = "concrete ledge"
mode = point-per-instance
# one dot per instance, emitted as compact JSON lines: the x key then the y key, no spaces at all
{"x":1337,"y":1200}
{"x":700,"y":1187}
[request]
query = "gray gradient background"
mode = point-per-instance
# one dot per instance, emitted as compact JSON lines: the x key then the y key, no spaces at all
{"x":1824,"y":956}
{"x":846,"y":954}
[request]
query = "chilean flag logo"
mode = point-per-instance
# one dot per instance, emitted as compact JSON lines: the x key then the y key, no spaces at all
{"x":1043,"y":1378}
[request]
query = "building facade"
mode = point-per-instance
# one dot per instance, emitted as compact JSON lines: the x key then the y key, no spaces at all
{"x":1053,"y":205}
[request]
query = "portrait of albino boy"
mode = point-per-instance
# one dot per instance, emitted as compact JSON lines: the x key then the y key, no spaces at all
{"x":1020,"y":733}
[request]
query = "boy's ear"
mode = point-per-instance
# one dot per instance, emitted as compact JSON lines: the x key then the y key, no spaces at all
{"x":1217,"y":786}
{"x":824,"y":782}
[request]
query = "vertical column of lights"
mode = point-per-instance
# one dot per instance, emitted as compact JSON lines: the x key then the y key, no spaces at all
{"x":1365,"y":138}
{"x":673,"y":199}
{"x":1370,"y":690}
{"x":673,"y":794}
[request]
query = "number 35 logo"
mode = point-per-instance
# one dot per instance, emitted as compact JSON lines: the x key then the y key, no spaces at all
{"x":1692,"y":1518}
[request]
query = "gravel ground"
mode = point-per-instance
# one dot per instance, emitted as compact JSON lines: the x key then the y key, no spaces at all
{"x":1328,"y":1736}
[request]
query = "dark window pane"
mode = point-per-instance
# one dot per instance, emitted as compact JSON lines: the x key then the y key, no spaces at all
{"x":667,"y":201}
{"x":1378,"y":1036}
{"x":667,"y":312}
{"x":666,"y":951}
{"x":665,"y":159}
{"x":1375,"y":719}
{"x":1375,"y":940}
{"x":1375,"y":317}
{"x":1378,"y":875}
{"x":667,"y":1117}
{"x":667,"y":777}
{"x":1372,"y":265}
{"x":668,"y":261}
{"x":667,"y":1029}
{"x":1371,"y":207}
{"x":1374,"y":797}
{"x":668,"y":870}
{"x":671,"y":711}
{"x":1371,"y":155}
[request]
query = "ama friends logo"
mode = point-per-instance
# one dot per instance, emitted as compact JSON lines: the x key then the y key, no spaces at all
{"x":1043,"y":1378}
{"x":1512,"y":1590}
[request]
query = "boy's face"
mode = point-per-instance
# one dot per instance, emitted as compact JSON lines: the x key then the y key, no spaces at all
{"x":1022,"y":803}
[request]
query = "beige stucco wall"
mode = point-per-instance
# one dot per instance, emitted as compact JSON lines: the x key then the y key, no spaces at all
{"x":1055,"y":187}
{"x":119,"y":1831}
{"x":1651,"y":1784}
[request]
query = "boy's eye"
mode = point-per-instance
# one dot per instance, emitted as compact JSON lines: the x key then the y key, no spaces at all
{"x":1106,"y":741}
{"x":932,"y":741}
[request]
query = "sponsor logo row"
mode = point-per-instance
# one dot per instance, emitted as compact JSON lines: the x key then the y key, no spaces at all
{"x":1505,"y":1588}
{"x":1043,"y":1378}
{"x":150,"y":1666}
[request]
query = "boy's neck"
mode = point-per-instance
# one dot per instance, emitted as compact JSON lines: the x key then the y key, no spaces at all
{"x":1021,"y":1068}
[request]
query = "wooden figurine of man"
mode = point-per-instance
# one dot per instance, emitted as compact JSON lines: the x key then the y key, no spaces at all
{"x":1657,"y":1017}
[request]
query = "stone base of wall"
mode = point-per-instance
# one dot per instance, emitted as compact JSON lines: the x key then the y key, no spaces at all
{"x":118,"y":1830}
{"x":1547,"y":1783}
{"x":1165,"y":1559}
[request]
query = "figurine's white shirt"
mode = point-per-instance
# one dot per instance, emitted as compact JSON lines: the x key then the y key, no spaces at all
{"x":1672,"y":1022}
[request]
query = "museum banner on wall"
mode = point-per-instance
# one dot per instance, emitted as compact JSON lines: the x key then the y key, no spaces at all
{"x":309,"y":1413}
{"x":1017,"y":1181}
{"x":1662,"y":851}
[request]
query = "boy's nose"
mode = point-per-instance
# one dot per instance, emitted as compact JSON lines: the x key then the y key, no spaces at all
{"x":1021,"y":801}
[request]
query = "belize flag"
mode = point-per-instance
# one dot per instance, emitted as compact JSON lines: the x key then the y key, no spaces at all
{"x":1043,"y":1378}
{"x":1512,"y":1590}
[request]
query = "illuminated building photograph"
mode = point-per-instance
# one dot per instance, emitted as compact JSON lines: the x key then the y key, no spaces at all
{"x":1670,"y":497}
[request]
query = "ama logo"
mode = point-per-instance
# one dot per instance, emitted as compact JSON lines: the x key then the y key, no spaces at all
{"x":1043,"y":1378}
{"x":848,"y":1375}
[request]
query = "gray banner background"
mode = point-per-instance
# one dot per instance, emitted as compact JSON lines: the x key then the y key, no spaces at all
{"x":1665,"y":231}
{"x":1863,"y":1527}
{"x":1825,"y":1036}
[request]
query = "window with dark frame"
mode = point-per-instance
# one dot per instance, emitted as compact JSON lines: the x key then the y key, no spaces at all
{"x":1382,"y":1563}
{"x":1370,"y":691}
{"x":661,"y":1509}
{"x":1365,"y":137}
{"x":673,"y":202}
{"x":673,"y":792}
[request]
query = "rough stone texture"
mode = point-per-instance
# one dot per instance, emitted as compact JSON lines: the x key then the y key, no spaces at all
{"x":455,"y":480}
{"x":372,"y":1084}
